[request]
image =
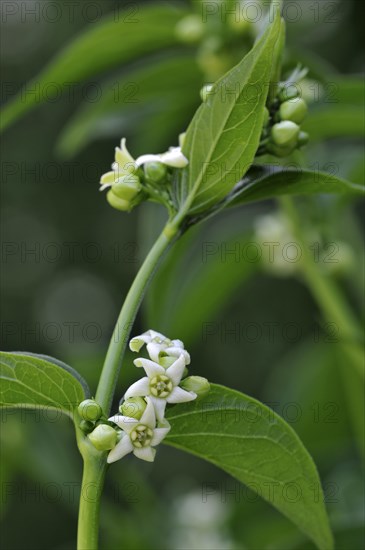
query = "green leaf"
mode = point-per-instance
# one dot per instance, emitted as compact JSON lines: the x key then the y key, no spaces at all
{"x":29,"y":380}
{"x":266,"y":182}
{"x":142,"y":93}
{"x":223,"y":137}
{"x":113,"y":42}
{"x":253,"y":444}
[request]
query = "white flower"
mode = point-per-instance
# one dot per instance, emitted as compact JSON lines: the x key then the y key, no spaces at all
{"x":173,"y":157}
{"x":140,"y":436}
{"x":159,"y":345}
{"x":124,"y":165}
{"x":161,"y":385}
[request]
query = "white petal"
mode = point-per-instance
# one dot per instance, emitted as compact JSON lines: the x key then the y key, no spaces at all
{"x":154,"y":351}
{"x":104,"y":186}
{"x":178,"y":395}
{"x":174,"y":158}
{"x":158,"y":435}
{"x":160,"y":406}
{"x":176,"y":370}
{"x":147,"y":158}
{"x":176,"y":352}
{"x":139,"y":388}
{"x":151,"y":368}
{"x":139,"y":341}
{"x":159,"y":338}
{"x":121,"y":449}
{"x":125,"y":422}
{"x":149,"y":417}
{"x":146,"y":453}
{"x":177,"y":344}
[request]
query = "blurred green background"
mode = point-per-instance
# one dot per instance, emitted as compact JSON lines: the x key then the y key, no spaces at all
{"x":68,"y":260}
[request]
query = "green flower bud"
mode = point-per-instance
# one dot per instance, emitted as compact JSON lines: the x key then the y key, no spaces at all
{"x":86,"y":426}
{"x":239,"y":24}
{"x":116,"y":202}
{"x":103,"y":438}
{"x":266,"y":116}
{"x":196,"y":384}
{"x":280,"y":152}
{"x":205,"y":91}
{"x":294,"y":110}
{"x":285,"y":133}
{"x":155,"y":172}
{"x":133,"y":407}
{"x":127,"y":187}
{"x":303,"y":139}
{"x":190,"y":29}
{"x":89,"y":410}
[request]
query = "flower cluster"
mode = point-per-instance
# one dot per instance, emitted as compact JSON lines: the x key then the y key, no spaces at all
{"x":141,"y":419}
{"x":281,"y":134}
{"x":132,"y":181}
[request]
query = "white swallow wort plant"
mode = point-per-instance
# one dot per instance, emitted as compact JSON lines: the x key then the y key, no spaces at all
{"x":194,"y":180}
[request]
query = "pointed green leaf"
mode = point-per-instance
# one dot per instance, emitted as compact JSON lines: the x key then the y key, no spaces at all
{"x":253,"y":444}
{"x":223,"y":137}
{"x":29,"y":380}
{"x":267,"y":182}
{"x":116,"y":40}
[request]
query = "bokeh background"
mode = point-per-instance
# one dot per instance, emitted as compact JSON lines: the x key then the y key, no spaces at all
{"x":68,"y":260}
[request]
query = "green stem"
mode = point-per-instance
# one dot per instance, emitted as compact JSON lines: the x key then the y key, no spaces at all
{"x":329,"y":298}
{"x":91,"y":489}
{"x":118,"y":343}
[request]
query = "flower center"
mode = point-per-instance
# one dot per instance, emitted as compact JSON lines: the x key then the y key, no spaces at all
{"x":141,"y":436}
{"x":161,"y":386}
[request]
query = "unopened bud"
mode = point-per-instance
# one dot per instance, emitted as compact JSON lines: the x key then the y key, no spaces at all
{"x":133,"y":407}
{"x":285,"y":133}
{"x":278,"y":151}
{"x":294,"y":110}
{"x":86,"y":426}
{"x":127,"y":187}
{"x":89,"y":410}
{"x":190,"y":29}
{"x":116,"y":202}
{"x":103,"y":438}
{"x":303,"y":139}
{"x":196,"y":384}
{"x":155,"y":172}
{"x":205,"y":91}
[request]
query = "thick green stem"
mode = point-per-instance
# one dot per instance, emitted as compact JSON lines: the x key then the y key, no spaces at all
{"x":118,"y":343}
{"x":334,"y":307}
{"x":91,"y":489}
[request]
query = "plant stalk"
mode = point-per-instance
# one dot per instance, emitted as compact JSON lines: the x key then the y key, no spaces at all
{"x":91,"y":489}
{"x":118,"y":343}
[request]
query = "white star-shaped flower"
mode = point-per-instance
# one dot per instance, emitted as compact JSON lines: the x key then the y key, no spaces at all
{"x":124,"y":165}
{"x":140,"y":436}
{"x":161,"y":385}
{"x":173,"y":157}
{"x":159,"y":345}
